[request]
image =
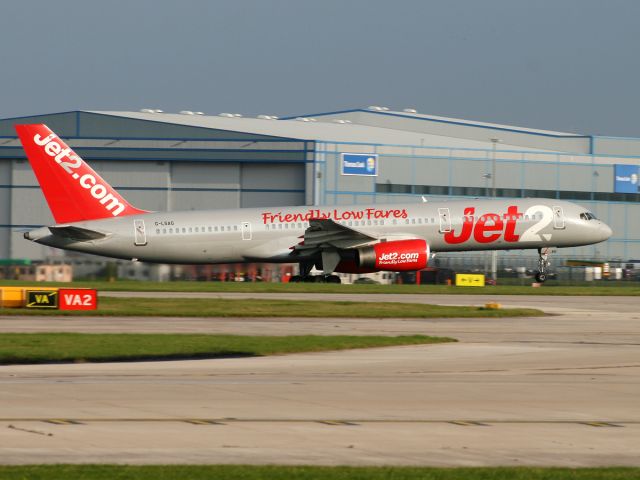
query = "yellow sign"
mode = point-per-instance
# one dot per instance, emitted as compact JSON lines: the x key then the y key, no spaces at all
{"x":469,"y":280}
{"x":42,"y":299}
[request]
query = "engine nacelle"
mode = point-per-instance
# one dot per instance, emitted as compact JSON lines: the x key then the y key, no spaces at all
{"x":394,"y":256}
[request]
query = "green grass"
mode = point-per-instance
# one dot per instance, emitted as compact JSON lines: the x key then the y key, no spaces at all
{"x":244,"y":472}
{"x":22,"y":348}
{"x":220,"y":307}
{"x":598,"y":288}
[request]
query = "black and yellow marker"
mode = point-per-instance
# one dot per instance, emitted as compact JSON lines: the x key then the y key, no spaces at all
{"x":42,"y":299}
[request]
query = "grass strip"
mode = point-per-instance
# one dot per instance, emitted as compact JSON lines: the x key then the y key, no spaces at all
{"x":23,"y":348}
{"x":221,"y":307}
{"x":245,"y":472}
{"x":596,"y":288}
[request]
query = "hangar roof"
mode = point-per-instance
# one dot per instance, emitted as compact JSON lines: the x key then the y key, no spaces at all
{"x":373,"y":125}
{"x":410,"y":114}
{"x":301,"y":130}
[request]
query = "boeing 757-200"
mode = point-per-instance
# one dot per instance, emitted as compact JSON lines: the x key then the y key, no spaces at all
{"x":92,"y":217}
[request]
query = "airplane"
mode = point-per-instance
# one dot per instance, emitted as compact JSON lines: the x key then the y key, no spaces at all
{"x":91,"y":217}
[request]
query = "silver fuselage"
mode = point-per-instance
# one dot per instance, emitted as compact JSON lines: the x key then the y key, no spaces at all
{"x":270,"y":234}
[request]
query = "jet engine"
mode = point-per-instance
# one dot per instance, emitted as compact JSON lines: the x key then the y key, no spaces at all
{"x":394,"y":256}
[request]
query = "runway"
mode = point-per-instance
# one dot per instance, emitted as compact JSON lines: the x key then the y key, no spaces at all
{"x":557,"y":390}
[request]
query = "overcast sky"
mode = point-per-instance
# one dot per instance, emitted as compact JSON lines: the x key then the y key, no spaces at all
{"x":569,"y":65}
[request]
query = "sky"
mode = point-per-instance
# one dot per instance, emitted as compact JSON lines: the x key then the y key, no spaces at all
{"x":566,"y":65}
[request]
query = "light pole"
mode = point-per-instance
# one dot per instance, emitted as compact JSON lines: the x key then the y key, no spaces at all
{"x":494,"y":253}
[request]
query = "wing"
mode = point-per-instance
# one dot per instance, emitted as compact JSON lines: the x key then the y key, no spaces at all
{"x":325,"y":234}
{"x":325,"y":237}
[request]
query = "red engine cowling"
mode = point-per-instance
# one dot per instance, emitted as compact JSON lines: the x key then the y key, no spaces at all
{"x":395,"y":256}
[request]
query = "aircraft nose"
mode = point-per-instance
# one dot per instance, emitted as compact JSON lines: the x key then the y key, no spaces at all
{"x":605,"y":231}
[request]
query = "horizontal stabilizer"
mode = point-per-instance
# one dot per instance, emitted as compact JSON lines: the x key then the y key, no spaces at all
{"x":76,"y":233}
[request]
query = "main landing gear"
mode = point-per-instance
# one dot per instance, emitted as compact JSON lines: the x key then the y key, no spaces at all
{"x":543,"y":263}
{"x":306,"y":277}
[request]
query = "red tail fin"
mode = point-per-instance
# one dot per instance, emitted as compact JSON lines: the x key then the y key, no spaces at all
{"x":72,"y":189}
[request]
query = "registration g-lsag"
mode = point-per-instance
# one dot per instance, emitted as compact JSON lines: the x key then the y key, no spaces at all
{"x":92,"y":217}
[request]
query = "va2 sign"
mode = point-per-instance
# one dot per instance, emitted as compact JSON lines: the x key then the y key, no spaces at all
{"x":78,"y":299}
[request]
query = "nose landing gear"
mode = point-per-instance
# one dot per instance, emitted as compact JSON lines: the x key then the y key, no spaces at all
{"x":543,"y":263}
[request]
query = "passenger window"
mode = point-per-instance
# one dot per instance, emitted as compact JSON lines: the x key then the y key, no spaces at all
{"x":157,"y":231}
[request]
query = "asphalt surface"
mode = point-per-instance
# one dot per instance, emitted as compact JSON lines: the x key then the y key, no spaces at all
{"x":557,"y":390}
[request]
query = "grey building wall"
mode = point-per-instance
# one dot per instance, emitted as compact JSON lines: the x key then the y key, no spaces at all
{"x":159,"y":166}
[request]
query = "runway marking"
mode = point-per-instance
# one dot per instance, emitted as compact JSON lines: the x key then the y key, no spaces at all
{"x":601,"y":424}
{"x":350,"y":421}
{"x":337,"y":422}
{"x":63,"y":421}
{"x":38,"y":432}
{"x":203,"y":422}
{"x":468,"y":423}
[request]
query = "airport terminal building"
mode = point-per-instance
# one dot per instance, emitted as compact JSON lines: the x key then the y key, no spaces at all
{"x":191,"y":161}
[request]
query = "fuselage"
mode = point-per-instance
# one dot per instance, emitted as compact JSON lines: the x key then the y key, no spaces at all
{"x":270,"y":234}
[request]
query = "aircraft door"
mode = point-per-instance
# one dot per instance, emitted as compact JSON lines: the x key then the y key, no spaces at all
{"x":445,"y":220}
{"x":246,"y":231}
{"x":140,"y":234}
{"x":558,"y":218}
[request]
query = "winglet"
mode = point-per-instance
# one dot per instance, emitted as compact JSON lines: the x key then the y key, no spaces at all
{"x":72,"y":189}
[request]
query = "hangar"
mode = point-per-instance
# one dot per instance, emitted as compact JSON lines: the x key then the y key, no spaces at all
{"x":187,"y":160}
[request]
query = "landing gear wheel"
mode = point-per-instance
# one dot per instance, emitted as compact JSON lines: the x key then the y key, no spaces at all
{"x":295,"y":279}
{"x":332,"y":279}
{"x":543,"y":263}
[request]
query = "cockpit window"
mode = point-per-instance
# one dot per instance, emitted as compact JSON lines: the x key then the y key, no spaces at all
{"x":587,"y":216}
